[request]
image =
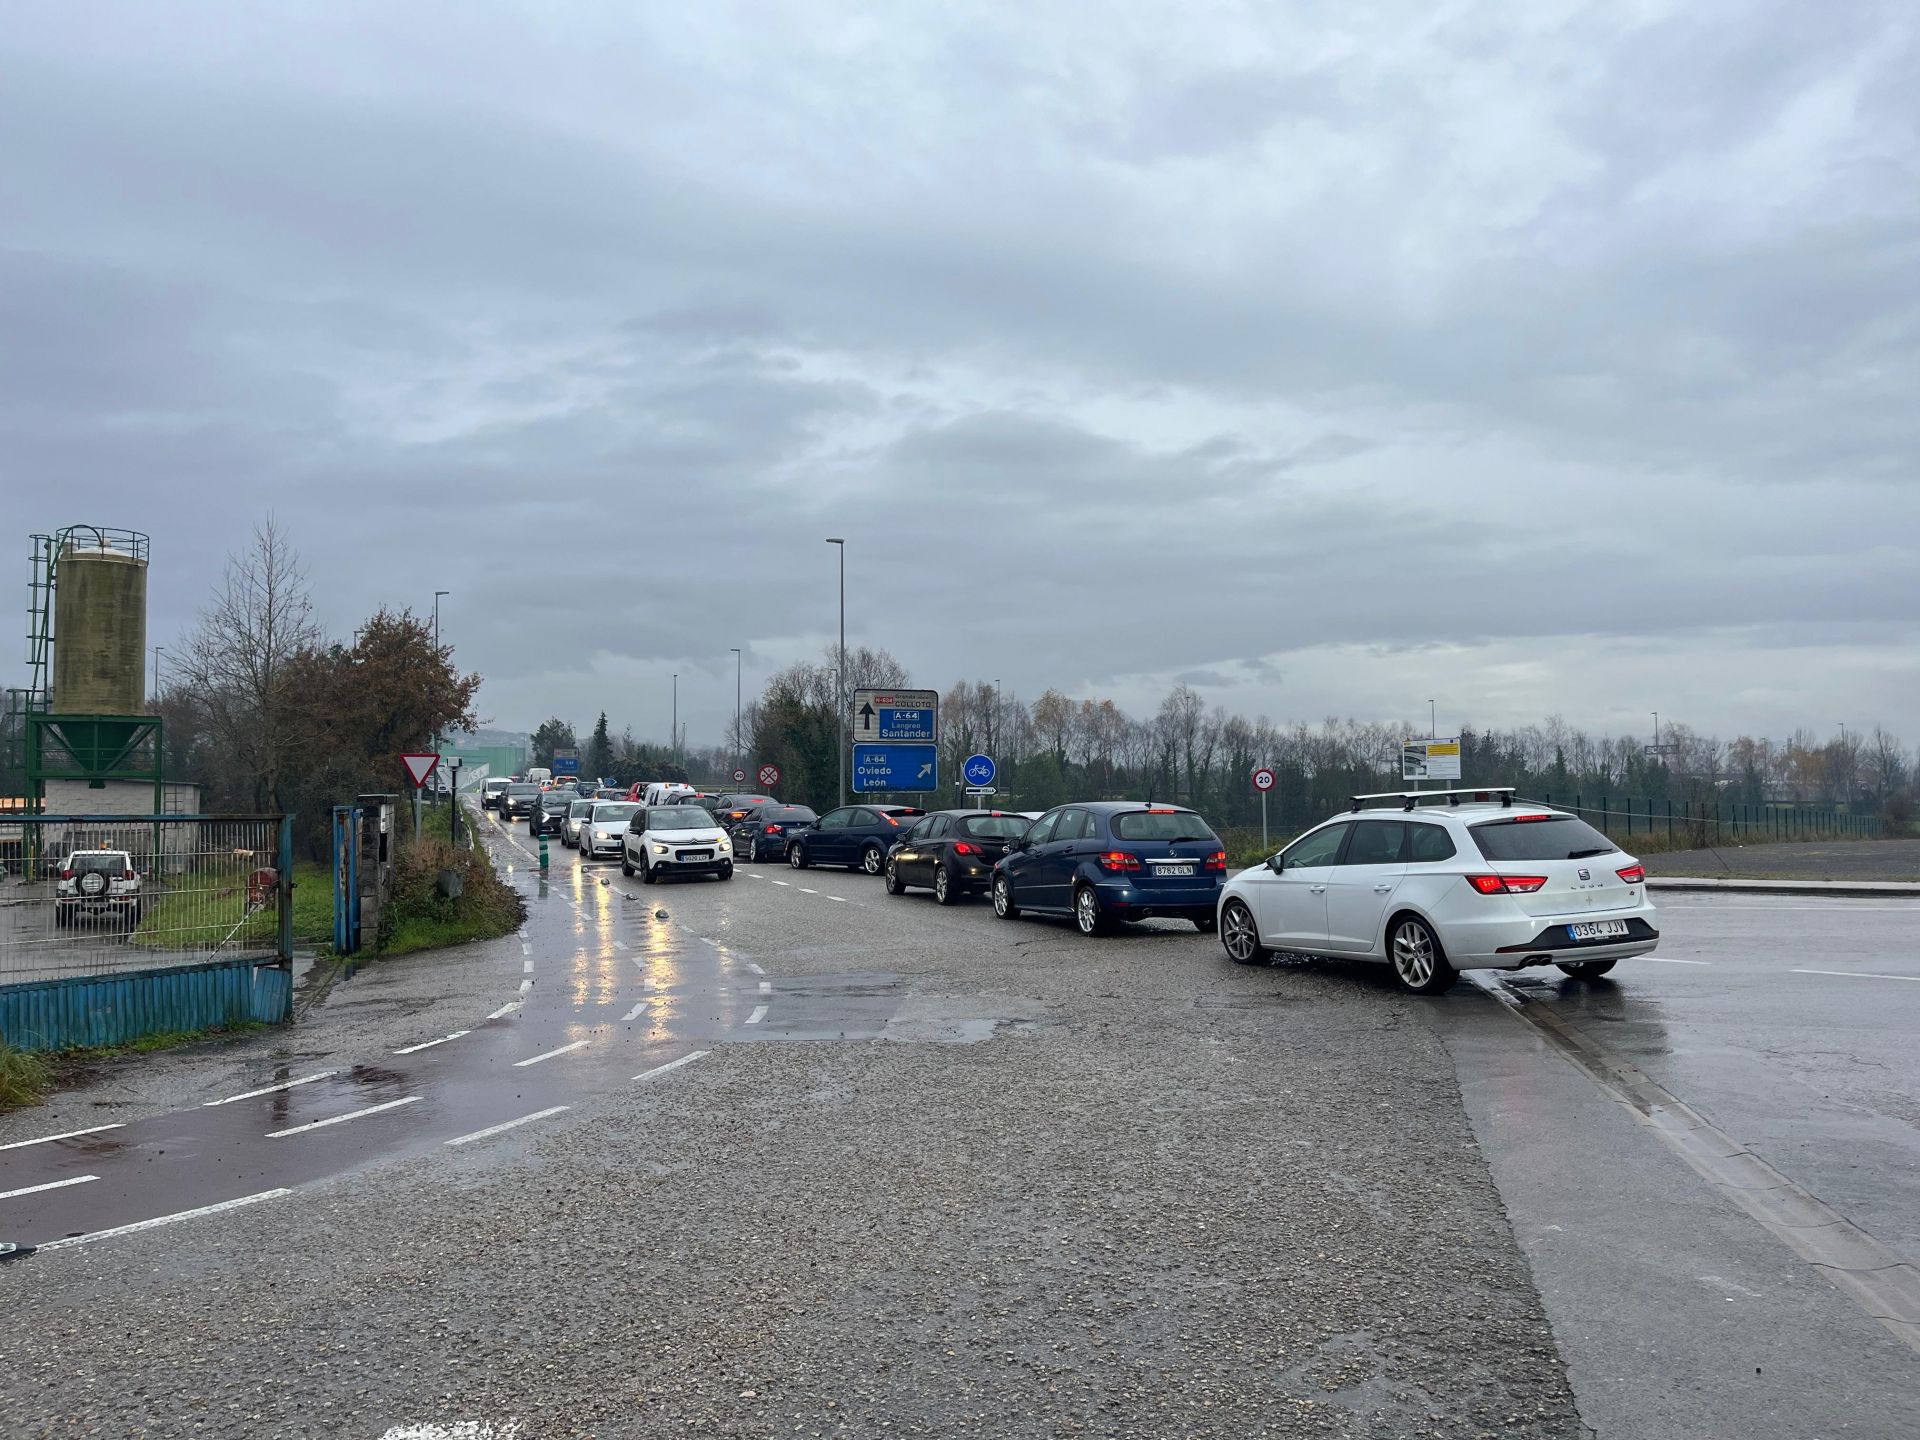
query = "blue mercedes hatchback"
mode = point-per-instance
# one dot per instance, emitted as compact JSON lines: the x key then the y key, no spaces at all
{"x":1112,"y":860}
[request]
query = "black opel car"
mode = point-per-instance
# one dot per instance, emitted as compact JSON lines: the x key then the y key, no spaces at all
{"x":857,"y":836}
{"x":952,"y":852}
{"x":522,"y":797}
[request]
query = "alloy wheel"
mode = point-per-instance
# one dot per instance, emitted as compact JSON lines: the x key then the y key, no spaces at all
{"x":1413,"y":954}
{"x":1239,"y":935}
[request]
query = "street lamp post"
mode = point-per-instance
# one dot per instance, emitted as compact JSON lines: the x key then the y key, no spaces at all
{"x":158,"y":651}
{"x":453,"y":800}
{"x":673,"y":735}
{"x":839,"y":541}
{"x":1433,"y":721}
{"x":739,"y":749}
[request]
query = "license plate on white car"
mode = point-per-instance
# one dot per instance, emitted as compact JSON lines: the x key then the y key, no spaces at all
{"x":1172,"y":872}
{"x":1598,"y":930}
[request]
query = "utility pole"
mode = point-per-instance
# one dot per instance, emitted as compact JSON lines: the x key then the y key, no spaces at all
{"x":158,"y":651}
{"x":739,"y":745}
{"x":1433,"y":721}
{"x":842,"y":697}
{"x":674,"y":733}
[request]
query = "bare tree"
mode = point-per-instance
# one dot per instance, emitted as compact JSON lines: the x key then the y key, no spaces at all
{"x":236,"y":665}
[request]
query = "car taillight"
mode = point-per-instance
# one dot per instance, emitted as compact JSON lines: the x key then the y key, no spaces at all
{"x":771,"y":830}
{"x":128,"y":875}
{"x":1215,"y":861}
{"x":66,"y":874}
{"x":961,"y":847}
{"x":1506,"y":884}
{"x":1633,"y":874}
{"x":1114,"y":861}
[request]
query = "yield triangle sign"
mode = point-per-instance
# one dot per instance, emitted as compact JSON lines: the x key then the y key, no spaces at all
{"x":419,"y":767}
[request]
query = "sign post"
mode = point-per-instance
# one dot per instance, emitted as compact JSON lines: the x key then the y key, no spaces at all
{"x":1263,"y":782}
{"x":1431,"y":759}
{"x":419,"y":768}
{"x":453,"y":799}
{"x":978,"y":772}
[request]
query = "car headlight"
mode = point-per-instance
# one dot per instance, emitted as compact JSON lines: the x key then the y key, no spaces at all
{"x":659,"y":849}
{"x":725,"y":844}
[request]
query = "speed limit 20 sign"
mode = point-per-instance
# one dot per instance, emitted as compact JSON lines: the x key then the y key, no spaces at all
{"x":1263,"y":779}
{"x":769,"y":776}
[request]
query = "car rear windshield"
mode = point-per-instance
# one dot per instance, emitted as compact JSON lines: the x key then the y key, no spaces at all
{"x":101,"y":862}
{"x":678,"y":817}
{"x":994,"y":827}
{"x":497,"y":784}
{"x":580,"y":807}
{"x":605,"y":814}
{"x":522,"y":788}
{"x":1555,"y":837}
{"x":746,"y":802}
{"x":1161,"y":825}
{"x":788,"y":814}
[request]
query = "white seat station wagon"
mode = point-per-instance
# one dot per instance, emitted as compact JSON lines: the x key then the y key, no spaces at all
{"x":1449,"y":880}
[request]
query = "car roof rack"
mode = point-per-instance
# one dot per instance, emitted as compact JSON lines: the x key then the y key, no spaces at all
{"x":1407,"y":799}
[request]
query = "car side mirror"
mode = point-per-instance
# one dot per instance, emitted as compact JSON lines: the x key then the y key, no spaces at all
{"x":1017,"y":843}
{"x":1275,"y":864}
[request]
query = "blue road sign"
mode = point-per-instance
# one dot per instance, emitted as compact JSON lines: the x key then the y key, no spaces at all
{"x":979,"y":770}
{"x":895,"y":723}
{"x":566,"y":764}
{"x":895,"y":767}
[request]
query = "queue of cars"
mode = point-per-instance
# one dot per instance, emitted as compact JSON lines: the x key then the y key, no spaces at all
{"x":1428,"y":883}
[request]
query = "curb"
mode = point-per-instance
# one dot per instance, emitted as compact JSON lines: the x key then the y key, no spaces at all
{"x":1838,"y":889}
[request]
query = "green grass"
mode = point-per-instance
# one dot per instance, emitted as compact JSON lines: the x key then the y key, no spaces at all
{"x":24,"y":1078}
{"x":204,"y":916}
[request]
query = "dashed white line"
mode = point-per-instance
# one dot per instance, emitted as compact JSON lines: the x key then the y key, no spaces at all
{"x":158,"y":1220}
{"x":507,"y":1125}
{"x":839,"y":898}
{"x":429,"y":1044}
{"x":506,"y":1009}
{"x":766,"y":987}
{"x":525,"y":986}
{"x":709,"y":940}
{"x":780,"y":882}
{"x":526,"y":948}
{"x":269,"y":1089}
{"x":68,"y":1135}
{"x":50,"y":1185}
{"x":536,"y":1059}
{"x":341,"y":1119}
{"x":1857,"y":974}
{"x":634,"y":1014}
{"x":526,"y":967}
{"x":755,"y":968}
{"x":759,"y":1014}
{"x":804,"y":891}
{"x":671,"y":1065}
{"x":1669,"y":960}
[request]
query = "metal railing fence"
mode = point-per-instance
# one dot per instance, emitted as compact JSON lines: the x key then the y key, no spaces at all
{"x":84,"y":896}
{"x":1704,"y":823}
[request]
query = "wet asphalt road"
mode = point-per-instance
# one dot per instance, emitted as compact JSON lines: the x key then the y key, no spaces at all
{"x":960,"y":1176}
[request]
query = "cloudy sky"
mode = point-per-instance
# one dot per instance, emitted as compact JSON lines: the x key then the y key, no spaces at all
{"x":1531,"y":357}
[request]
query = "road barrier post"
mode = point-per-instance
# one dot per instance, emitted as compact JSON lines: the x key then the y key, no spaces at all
{"x":543,"y":851}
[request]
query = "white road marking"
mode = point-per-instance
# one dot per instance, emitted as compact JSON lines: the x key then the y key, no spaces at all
{"x":766,"y":987}
{"x":506,"y":1009}
{"x":780,"y":882}
{"x":523,"y":932}
{"x":709,"y":940}
{"x":50,"y":1185}
{"x":804,"y":891}
{"x":341,"y":1119}
{"x":755,"y":968}
{"x":526,"y":967}
{"x":458,"y":1430}
{"x":840,"y":898}
{"x":268,"y":1089}
{"x":634,"y":1014}
{"x":67,"y":1135}
{"x":1669,"y":960}
{"x":525,"y":986}
{"x":671,"y":1065}
{"x":759,"y":1014}
{"x":1857,"y":974}
{"x":536,"y":1059}
{"x":429,"y":1044}
{"x":526,"y":948}
{"x":506,"y":1125}
{"x":619,"y":944}
{"x":158,"y":1220}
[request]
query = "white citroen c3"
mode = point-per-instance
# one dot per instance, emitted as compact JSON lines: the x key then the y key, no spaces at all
{"x":675,"y":840}
{"x":1447,"y":880}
